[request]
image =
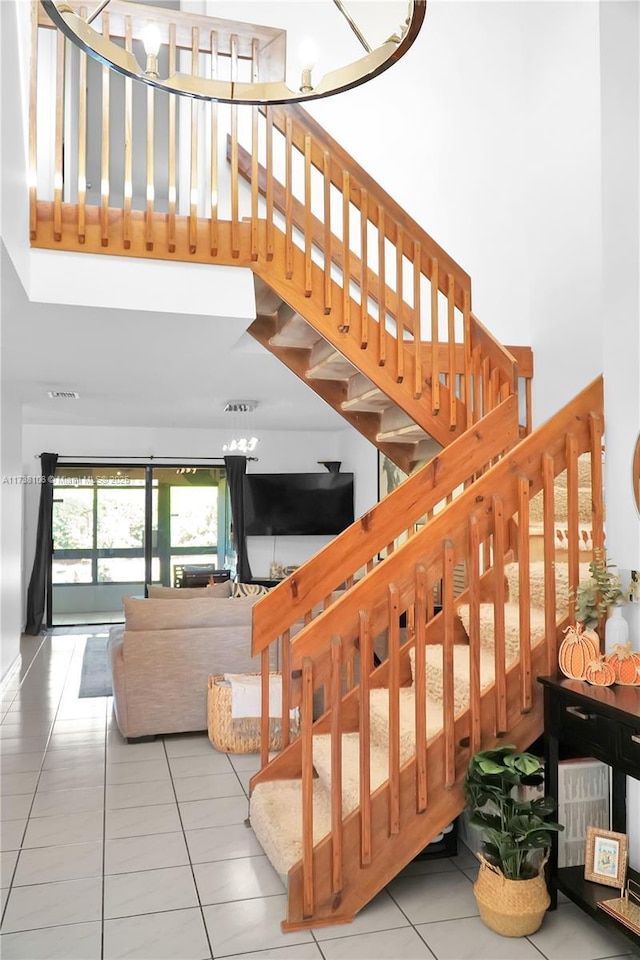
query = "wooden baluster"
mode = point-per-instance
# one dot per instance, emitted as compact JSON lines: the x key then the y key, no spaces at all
{"x":33,"y":126}
{"x":172,"y":136}
{"x":394,"y":708}
{"x":500,"y":689}
{"x":382,"y":291}
{"x":597,"y":528}
{"x":307,"y":787}
{"x":336,"y":765}
{"x":451,"y":335}
{"x":477,"y":384}
{"x":495,"y":387}
{"x":526,"y":694}
{"x":473,"y":569}
{"x":417,"y":331}
{"x":350,"y":679}
{"x":128,"y":142}
{"x":548,"y":516}
{"x":365,"y":739}
{"x":148,"y":225}
{"x":364,"y":269}
{"x":308,"y":217}
{"x":255,"y":73}
{"x":214,"y":237}
{"x":269,"y":135}
{"x":286,"y":687}
{"x":399,"y":306}
{"x":420,"y":686}
{"x":573,"y":532}
{"x":448,"y":706}
{"x":529,"y":406}
{"x":82,"y":135}
{"x":235,"y":217}
{"x":58,"y":175}
{"x":486,"y":386}
{"x":264,"y":707}
{"x":468,"y":362}
{"x":435,"y":339}
{"x":288,"y":211}
{"x":104,"y":158}
{"x":193,"y":181}
{"x":346,"y":252}
{"x":326,"y":171}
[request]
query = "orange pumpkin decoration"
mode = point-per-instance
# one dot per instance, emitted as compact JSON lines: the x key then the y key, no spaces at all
{"x":625,"y":664}
{"x":600,"y":673}
{"x":579,"y":647}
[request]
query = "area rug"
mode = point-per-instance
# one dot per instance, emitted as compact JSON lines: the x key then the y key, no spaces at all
{"x":95,"y":680}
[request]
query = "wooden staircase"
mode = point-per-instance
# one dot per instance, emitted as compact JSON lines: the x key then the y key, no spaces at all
{"x":359,"y":301}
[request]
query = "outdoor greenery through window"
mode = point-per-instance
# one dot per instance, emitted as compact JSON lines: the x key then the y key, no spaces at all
{"x":131,"y":525}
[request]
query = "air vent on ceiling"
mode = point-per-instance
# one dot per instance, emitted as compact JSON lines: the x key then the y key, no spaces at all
{"x":64,"y":395}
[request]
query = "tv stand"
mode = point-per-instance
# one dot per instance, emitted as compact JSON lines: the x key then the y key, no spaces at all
{"x":602,"y":722}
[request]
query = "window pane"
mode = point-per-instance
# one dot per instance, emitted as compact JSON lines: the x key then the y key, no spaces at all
{"x":194,"y":516}
{"x":121,"y":570}
{"x":72,"y":518}
{"x":120,"y":518}
{"x":72,"y":571}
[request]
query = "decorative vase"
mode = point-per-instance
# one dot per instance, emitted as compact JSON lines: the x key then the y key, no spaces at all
{"x":512,"y":908}
{"x":616,"y":630}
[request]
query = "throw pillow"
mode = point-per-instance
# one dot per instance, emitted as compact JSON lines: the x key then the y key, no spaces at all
{"x":222,"y":589}
{"x":175,"y":593}
{"x":248,"y":590}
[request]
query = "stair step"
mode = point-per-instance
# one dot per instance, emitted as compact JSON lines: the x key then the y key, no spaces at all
{"x":379,"y":760}
{"x":327,"y":363}
{"x":396,"y":426}
{"x":267,"y":301}
{"x":293,"y":330}
{"x":363,"y":396}
{"x":275,"y":811}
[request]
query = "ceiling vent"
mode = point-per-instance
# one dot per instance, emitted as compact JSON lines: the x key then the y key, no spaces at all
{"x":63,"y":395}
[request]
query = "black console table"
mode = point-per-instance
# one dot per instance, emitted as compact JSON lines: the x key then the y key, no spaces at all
{"x":600,"y":722}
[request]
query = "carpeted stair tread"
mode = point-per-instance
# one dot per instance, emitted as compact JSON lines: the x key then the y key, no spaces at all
{"x":537,"y":583}
{"x":511,"y":627}
{"x":379,"y":765}
{"x":461,"y":672}
{"x":379,"y":704}
{"x":275,"y":811}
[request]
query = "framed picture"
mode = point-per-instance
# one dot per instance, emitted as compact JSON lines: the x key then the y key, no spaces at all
{"x":390,"y":476}
{"x":605,"y":857}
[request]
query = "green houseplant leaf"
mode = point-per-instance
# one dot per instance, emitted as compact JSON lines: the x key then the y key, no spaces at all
{"x":514,"y":830}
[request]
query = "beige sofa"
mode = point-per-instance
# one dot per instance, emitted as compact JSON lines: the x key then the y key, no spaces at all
{"x":162,"y":656}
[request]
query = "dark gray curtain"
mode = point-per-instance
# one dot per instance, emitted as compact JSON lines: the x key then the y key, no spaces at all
{"x":37,"y":592}
{"x":236,"y":468}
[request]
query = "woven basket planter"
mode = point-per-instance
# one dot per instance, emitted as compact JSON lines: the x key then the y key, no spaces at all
{"x":512,"y":908}
{"x":237,"y":736}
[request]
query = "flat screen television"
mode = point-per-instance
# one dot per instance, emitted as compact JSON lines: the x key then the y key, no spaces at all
{"x":297,"y":504}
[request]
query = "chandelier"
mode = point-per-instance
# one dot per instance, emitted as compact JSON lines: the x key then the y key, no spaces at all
{"x":243,"y":439}
{"x":265,"y":82}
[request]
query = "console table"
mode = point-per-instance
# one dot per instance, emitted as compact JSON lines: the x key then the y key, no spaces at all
{"x":600,"y":722}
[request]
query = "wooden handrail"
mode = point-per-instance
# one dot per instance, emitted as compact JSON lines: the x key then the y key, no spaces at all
{"x":350,"y":550}
{"x":395,"y":219}
{"x":498,"y":354}
{"x":424,"y":548}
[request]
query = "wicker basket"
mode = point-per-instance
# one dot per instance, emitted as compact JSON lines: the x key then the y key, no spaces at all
{"x":241,"y":735}
{"x":513,"y":908}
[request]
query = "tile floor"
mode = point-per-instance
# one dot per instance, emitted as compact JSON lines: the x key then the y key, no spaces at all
{"x":111,"y":850}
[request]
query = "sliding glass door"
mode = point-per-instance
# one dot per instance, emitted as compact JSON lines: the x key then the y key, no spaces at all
{"x":118,"y":528}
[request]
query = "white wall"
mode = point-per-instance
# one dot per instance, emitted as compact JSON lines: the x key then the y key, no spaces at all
{"x":11,"y":499}
{"x":620,"y":56}
{"x":278,"y":452}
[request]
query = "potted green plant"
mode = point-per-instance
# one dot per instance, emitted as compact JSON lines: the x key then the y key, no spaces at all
{"x":595,"y":596}
{"x":511,"y":891}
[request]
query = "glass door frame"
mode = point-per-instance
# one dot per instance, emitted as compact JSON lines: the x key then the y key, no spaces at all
{"x":221,"y":550}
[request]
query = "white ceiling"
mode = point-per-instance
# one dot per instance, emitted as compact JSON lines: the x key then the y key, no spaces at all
{"x":144,"y":369}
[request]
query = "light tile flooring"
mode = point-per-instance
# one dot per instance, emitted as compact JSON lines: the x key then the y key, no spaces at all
{"x":113,"y":850}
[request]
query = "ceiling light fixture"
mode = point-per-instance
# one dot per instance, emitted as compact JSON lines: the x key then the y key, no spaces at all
{"x":244,"y":439}
{"x":266,"y":86}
